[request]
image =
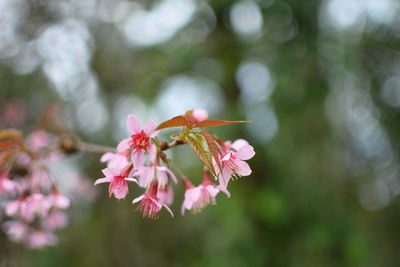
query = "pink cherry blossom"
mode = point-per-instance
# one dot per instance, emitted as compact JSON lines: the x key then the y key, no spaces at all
{"x":35,"y":204}
{"x":39,"y":141}
{"x":7,"y":186}
{"x":199,"y":197}
{"x":150,"y":204}
{"x":39,"y":239}
{"x":16,"y":230}
{"x":233,"y":162}
{"x":139,"y":141}
{"x":152,"y":173}
{"x":166,"y":195}
{"x":12,"y":208}
{"x":200,"y":115}
{"x":118,"y":180}
{"x":58,"y":200}
{"x":115,"y":160}
{"x":55,"y":220}
{"x":40,"y":178}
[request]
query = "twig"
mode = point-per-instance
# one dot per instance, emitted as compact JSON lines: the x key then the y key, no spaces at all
{"x":83,"y":146}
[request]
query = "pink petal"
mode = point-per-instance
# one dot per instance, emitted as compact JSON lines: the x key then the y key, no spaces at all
{"x":146,"y":177}
{"x":243,"y":169}
{"x":245,"y":152}
{"x":138,"y":159}
{"x":168,"y":209}
{"x":225,"y":177}
{"x":149,"y":129}
{"x":212,"y":190}
{"x":200,"y":114}
{"x":224,"y":190}
{"x":138,"y":199}
{"x":170,"y":173}
{"x":103,"y":180}
{"x":111,"y":172}
{"x":162,"y":178}
{"x":227,"y":156}
{"x":239,"y":144}
{"x":133,"y":124}
{"x":124,"y":145}
{"x":152,"y":152}
{"x":131,"y":180}
{"x":106,"y":157}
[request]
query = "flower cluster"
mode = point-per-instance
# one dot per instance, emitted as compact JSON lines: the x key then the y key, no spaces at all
{"x":33,"y":206}
{"x":139,"y":159}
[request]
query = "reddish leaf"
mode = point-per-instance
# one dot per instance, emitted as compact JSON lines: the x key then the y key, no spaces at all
{"x":8,"y":144}
{"x":174,"y":122}
{"x":5,"y":156}
{"x":10,"y":133}
{"x":212,"y":145}
{"x":213,"y":123}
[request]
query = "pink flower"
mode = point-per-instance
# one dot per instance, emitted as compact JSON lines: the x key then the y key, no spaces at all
{"x":152,"y":173}
{"x":233,"y":162}
{"x":38,"y":140}
{"x":118,"y":180}
{"x":115,"y":160}
{"x":166,"y":195}
{"x":16,"y":230}
{"x":150,"y":204}
{"x":35,"y":204}
{"x":58,"y":200}
{"x":139,"y":141}
{"x":39,"y":239}
{"x":200,"y":115}
{"x":197,"y":198}
{"x":7,"y":186}
{"x":55,"y":220}
{"x":12,"y":208}
{"x":40,"y":178}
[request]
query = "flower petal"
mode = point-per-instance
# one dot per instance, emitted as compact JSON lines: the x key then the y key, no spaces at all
{"x":149,"y":129}
{"x":245,"y":152}
{"x":168,"y":209}
{"x":242,"y":169}
{"x":124,"y":145}
{"x":152,"y":152}
{"x":133,"y":124}
{"x":138,"y":159}
{"x":103,"y":180}
{"x":107,"y":156}
{"x":131,"y":179}
{"x":239,"y":144}
{"x":138,"y":199}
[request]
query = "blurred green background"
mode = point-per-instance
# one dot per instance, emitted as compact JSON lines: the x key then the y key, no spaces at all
{"x":320,"y":80}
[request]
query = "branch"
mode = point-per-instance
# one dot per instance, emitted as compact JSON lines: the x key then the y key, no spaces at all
{"x":83,"y":146}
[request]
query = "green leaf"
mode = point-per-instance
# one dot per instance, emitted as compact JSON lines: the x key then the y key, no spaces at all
{"x":213,"y":147}
{"x":199,"y":145}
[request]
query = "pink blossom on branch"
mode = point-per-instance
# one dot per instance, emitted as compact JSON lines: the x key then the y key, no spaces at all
{"x":118,"y":180}
{"x":199,"y":197}
{"x":154,"y":173}
{"x":115,"y":160}
{"x":7,"y":186}
{"x":150,"y":204}
{"x":139,"y":142}
{"x":233,"y":162}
